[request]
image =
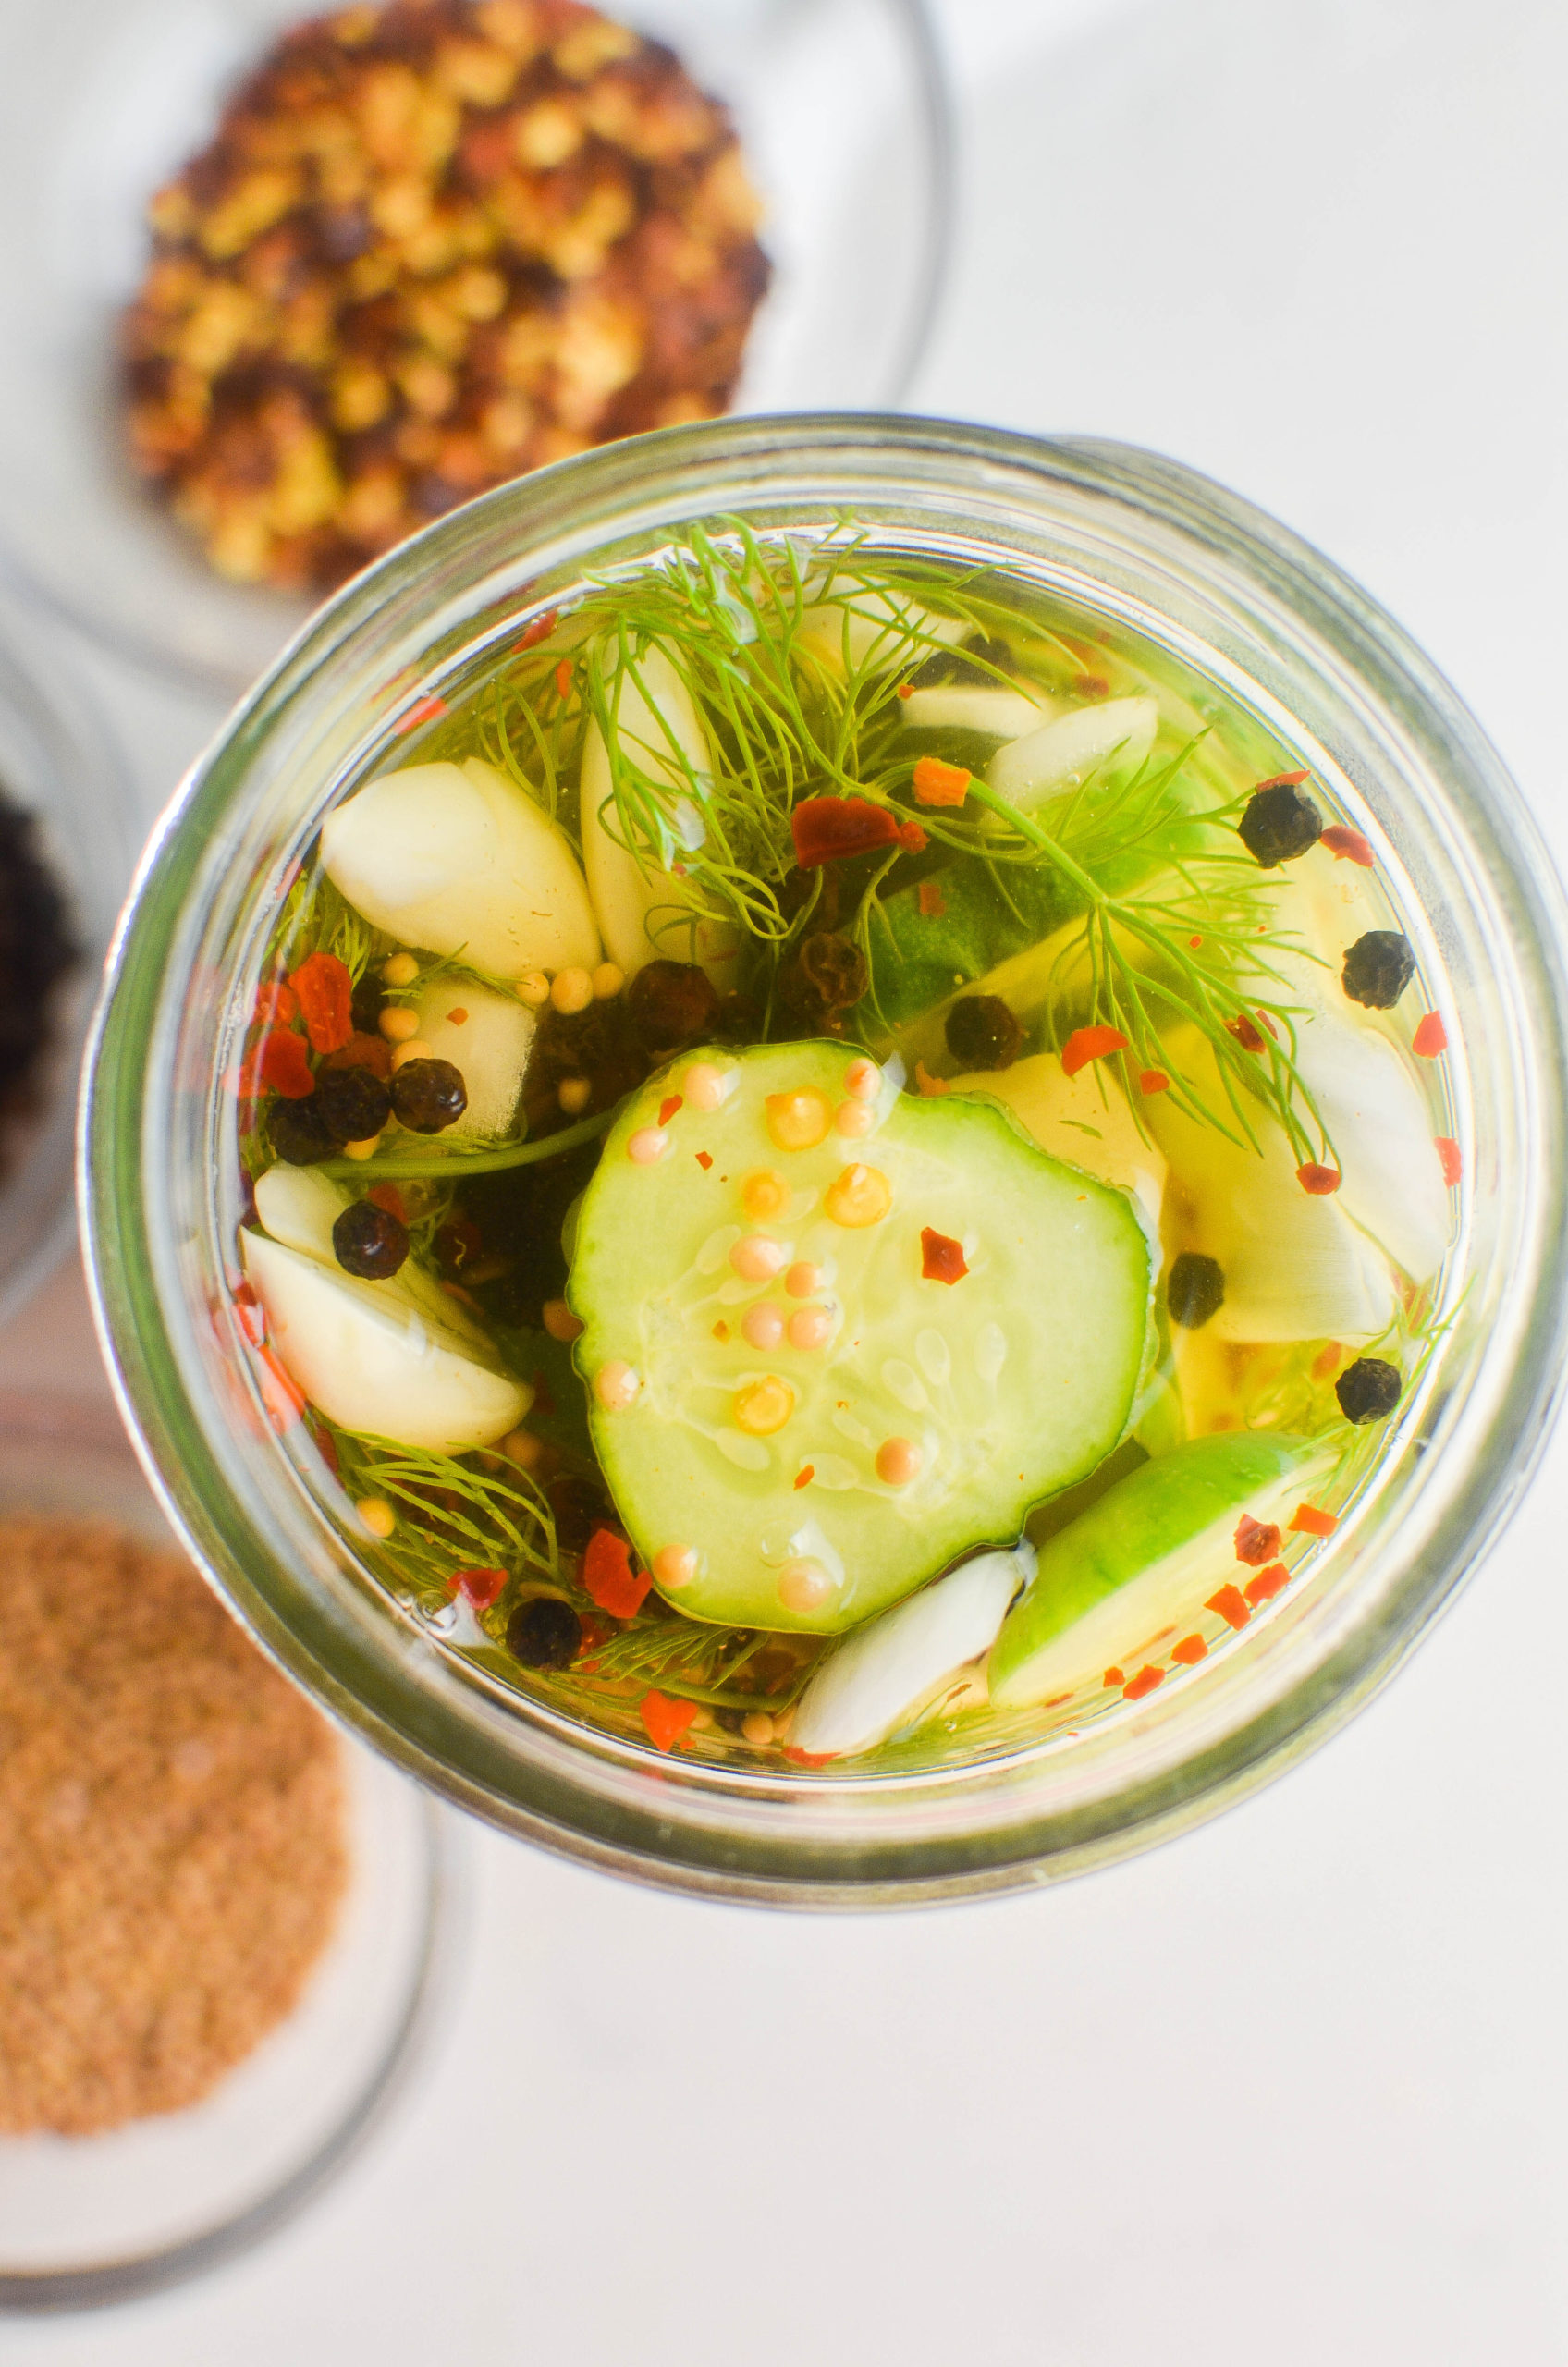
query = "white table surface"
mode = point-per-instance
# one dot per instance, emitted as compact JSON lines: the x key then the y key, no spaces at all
{"x":1293,"y":2089}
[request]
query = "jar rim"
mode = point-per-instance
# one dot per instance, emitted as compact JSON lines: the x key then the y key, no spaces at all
{"x":1253,"y":597}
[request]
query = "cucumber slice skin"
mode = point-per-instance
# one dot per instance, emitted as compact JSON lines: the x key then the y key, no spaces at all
{"x":1157,"y":1531}
{"x":1056,"y":1259}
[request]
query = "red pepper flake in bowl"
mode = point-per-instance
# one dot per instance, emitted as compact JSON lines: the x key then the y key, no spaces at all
{"x":1145,"y":1682}
{"x":1189,"y":1651}
{"x":1430,"y":1038}
{"x":1153,"y":1081}
{"x":1114,"y":1680}
{"x":667,"y":1107}
{"x":1318,"y":1181}
{"x":480,"y":1588}
{"x":540,"y":630}
{"x":1245,"y":1034}
{"x":283,"y":1064}
{"x":1347,"y":845}
{"x":805,"y":1475}
{"x":930,"y":900}
{"x":428,"y":710}
{"x":1307,"y":1521}
{"x":1448,"y":1153}
{"x":428,"y":249}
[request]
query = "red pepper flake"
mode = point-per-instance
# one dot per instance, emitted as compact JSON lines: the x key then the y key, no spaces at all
{"x":1267,"y":1024}
{"x":1086,"y":1044}
{"x":388,"y":1196}
{"x":563,"y":678}
{"x":829,"y":829}
{"x":906,"y":690}
{"x":326,"y":995}
{"x":281,"y":1395}
{"x":807,"y":1757}
{"x":1245,"y":1034}
{"x":1091,"y":686}
{"x":361,"y":1051}
{"x":941,"y":1258}
{"x":282,"y":1061}
{"x":927,"y":1085}
{"x":277,"y":1003}
{"x":250,"y":1315}
{"x":1430,"y":1038}
{"x":1326,"y":1360}
{"x":1318,"y":1181}
{"x":1113,"y":1679}
{"x":1282,"y":780}
{"x":705,"y":1159}
{"x":1268,"y":1584}
{"x":457,"y":1018}
{"x":423,"y":711}
{"x":540,"y":630}
{"x":805,"y":1475}
{"x":1189,"y":1651}
{"x":543,"y":1406}
{"x":1307,"y":1521}
{"x":482,"y":1587}
{"x":1153,"y":1081}
{"x":722,"y":1330}
{"x":1145,"y":1682}
{"x":940,"y":784}
{"x":1256,"y":1541}
{"x":1230,"y":1605}
{"x":1448,"y":1152}
{"x":1347,"y":845}
{"x":669,"y":1107}
{"x":326,"y":1447}
{"x":913,"y":839}
{"x":931,"y":900}
{"x":608,"y":1576}
{"x":665,"y":1720}
{"x":1055,"y":1700}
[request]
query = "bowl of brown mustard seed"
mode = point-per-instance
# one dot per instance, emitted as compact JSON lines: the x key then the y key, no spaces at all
{"x":218,"y":1919}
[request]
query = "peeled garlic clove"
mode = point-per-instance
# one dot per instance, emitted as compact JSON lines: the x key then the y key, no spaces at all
{"x":977,"y":707}
{"x":485,"y":1036}
{"x":1113,"y":737}
{"x":457,"y":859}
{"x":659,"y":732}
{"x":374,"y":1363}
{"x":883,"y":1675}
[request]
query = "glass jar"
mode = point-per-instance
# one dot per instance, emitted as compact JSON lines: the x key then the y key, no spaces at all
{"x":1150,"y":548}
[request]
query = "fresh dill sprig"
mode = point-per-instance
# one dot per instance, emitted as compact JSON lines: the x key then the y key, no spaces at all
{"x":451,"y":1514}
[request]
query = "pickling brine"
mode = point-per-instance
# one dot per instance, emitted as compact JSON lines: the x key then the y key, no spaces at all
{"x":842,"y":1159}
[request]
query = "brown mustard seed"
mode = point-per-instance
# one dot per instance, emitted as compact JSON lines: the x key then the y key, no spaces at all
{"x":172,"y":1849}
{"x":431,"y":245}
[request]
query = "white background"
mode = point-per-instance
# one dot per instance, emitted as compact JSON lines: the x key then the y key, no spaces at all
{"x":1295,"y":2089}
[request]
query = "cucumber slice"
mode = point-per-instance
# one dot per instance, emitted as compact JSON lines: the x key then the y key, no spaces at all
{"x":457,"y":859}
{"x":883,"y":1675}
{"x":745,"y":1461}
{"x":1085,"y":1119}
{"x":1147,"y":1556}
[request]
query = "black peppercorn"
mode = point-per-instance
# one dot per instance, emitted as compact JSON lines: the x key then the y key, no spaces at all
{"x":671,"y":1003}
{"x":545,"y":1633}
{"x":428,"y":1095}
{"x":983,"y":1032}
{"x":1280,"y":822}
{"x":300,"y":1135}
{"x":975,"y":664}
{"x":370,"y":1241}
{"x":1368,"y":1389}
{"x":1194,"y":1290}
{"x":1378,"y":969}
{"x":354,"y":1104}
